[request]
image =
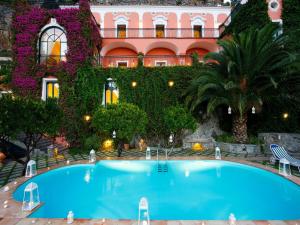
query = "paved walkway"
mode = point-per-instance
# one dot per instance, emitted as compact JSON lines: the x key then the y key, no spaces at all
{"x":11,"y":170}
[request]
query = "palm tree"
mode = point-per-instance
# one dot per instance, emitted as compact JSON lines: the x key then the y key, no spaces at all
{"x":240,"y":75}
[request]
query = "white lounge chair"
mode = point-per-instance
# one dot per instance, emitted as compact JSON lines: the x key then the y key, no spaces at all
{"x":279,"y":153}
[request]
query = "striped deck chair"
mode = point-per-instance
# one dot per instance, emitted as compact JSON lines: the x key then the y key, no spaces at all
{"x":279,"y":153}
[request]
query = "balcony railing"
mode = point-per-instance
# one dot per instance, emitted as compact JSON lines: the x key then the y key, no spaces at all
{"x":148,"y":60}
{"x":166,"y":33}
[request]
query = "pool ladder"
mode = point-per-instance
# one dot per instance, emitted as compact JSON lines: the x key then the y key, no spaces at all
{"x":162,"y":167}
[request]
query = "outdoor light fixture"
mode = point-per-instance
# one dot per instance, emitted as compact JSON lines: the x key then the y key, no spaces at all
{"x":285,"y":115}
{"x":253,"y":110}
{"x":87,"y":118}
{"x":133,"y":84}
{"x":284,"y":167}
{"x":218,"y":153}
{"x":70,"y":217}
{"x":229,"y":110}
{"x":114,"y":134}
{"x":170,"y":83}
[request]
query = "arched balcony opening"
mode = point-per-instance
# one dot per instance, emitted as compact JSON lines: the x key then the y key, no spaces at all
{"x":120,"y":57}
{"x":160,"y":57}
{"x":199,"y":51}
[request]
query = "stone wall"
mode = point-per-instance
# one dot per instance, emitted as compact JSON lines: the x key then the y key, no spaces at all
{"x":290,"y":141}
{"x":204,"y":134}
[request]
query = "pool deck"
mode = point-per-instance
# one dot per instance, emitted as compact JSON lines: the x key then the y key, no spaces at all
{"x":13,"y":215}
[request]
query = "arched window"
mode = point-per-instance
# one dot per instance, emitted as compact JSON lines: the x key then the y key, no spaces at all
{"x":111,"y":95}
{"x":52,"y":45}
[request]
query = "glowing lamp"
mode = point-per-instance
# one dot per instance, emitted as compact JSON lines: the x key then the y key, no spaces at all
{"x":87,"y":118}
{"x":285,"y":115}
{"x":170,"y":83}
{"x":107,"y":144}
{"x":197,"y":147}
{"x":133,"y":84}
{"x":114,"y":134}
{"x":253,"y":110}
{"x":229,"y":110}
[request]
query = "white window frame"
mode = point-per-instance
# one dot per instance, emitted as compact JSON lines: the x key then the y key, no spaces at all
{"x":53,"y":23}
{"x":161,"y":61}
{"x":270,"y":7}
{"x":122,"y":61}
{"x":161,"y":21}
{"x":198,"y":21}
{"x":104,"y":91}
{"x":121,"y":20}
{"x":44,"y":87}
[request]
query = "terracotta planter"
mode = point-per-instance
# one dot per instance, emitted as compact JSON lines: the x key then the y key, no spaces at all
{"x":2,"y":156}
{"x":126,"y":146}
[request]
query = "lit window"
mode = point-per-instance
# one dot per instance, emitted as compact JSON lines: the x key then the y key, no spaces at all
{"x":160,"y":63}
{"x":160,"y":31}
{"x":53,"y":46}
{"x":197,"y":31}
{"x":123,"y":64}
{"x":121,"y":31}
{"x":111,"y":92}
{"x":52,"y":89}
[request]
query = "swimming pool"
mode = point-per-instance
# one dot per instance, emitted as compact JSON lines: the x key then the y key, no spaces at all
{"x":182,"y":190}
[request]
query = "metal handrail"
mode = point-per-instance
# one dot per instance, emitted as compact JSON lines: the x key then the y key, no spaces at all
{"x":165,"y":33}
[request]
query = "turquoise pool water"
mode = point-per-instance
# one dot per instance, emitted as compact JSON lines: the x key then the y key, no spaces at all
{"x":189,"y":190}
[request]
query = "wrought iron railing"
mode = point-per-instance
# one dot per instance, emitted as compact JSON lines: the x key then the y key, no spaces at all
{"x":199,"y":3}
{"x":147,"y":60}
{"x":166,"y":33}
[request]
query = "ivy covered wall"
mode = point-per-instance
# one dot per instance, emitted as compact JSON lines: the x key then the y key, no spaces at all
{"x":291,"y":24}
{"x":82,"y":38}
{"x":252,"y":14}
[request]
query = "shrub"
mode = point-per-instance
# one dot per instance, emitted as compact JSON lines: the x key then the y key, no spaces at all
{"x":92,"y":142}
{"x":124,"y":118}
{"x":177,"y":118}
{"x":229,"y":138}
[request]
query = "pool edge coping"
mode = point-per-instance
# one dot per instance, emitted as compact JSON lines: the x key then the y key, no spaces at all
{"x":14,"y":207}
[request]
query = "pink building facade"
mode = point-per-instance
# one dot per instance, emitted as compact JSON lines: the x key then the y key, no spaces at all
{"x":164,"y":35}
